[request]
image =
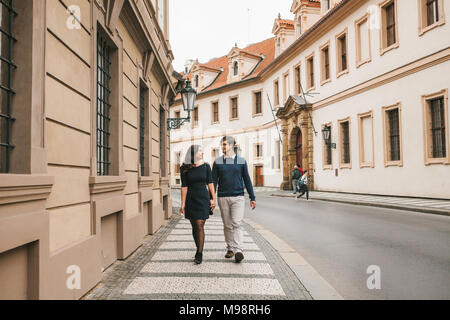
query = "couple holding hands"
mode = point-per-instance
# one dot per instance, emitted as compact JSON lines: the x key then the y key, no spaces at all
{"x":229,"y":173}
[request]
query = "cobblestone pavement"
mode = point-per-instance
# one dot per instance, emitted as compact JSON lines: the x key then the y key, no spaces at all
{"x":163,"y":269}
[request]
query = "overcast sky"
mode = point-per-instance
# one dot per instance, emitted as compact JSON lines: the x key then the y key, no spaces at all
{"x":206,"y":29}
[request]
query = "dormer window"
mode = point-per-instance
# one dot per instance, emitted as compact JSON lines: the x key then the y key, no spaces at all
{"x":235,"y":68}
{"x":326,"y":4}
{"x":196,"y":81}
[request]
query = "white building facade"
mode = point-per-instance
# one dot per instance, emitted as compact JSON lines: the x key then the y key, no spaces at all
{"x":379,"y":73}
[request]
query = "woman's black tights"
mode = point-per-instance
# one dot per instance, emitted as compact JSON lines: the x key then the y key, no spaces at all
{"x":198,"y":231}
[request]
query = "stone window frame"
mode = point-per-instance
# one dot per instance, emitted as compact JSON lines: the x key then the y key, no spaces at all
{"x":339,"y":70}
{"x":310,"y":86}
{"x":212,"y":112}
{"x":117,"y":170}
{"x":423,"y":28}
{"x":386,"y":143}
{"x":297,"y":82}
{"x":324,"y":80}
{"x":362,"y":162}
{"x":383,"y":34}
{"x":286,"y":86}
{"x":276,"y":92}
{"x":342,"y":164}
{"x":280,"y":161}
{"x":359,"y":61}
{"x":231,"y":107}
{"x":326,"y":166}
{"x":254,"y":92}
{"x":427,"y":144}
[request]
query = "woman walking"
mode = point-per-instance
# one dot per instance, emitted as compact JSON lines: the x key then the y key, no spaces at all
{"x":196,"y":201}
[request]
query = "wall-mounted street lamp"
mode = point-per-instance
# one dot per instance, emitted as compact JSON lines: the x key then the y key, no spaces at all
{"x":188,"y":96}
{"x":326,"y":132}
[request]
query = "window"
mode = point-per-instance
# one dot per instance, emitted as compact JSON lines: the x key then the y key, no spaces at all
{"x":103,"y":106}
{"x":177,"y":162}
{"x":7,"y":68}
{"x":389,"y":35}
{"x":327,"y":151}
{"x":285,"y":87}
{"x":277,"y":164}
{"x":234,"y":108}
{"x":341,"y":51}
{"x":195,"y":118}
{"x":162,"y":141}
{"x":326,"y":5}
{"x":435,"y":114}
{"x":257,"y":103}
{"x":258,"y":151}
{"x":235,"y":68}
{"x":215,"y":112}
{"x":430,"y":15}
{"x":344,"y":142}
{"x":325,"y":64}
{"x":310,"y":72}
{"x":276,"y":93}
{"x":196,"y":81}
{"x":392,"y":135}
{"x":177,"y":114}
{"x":297,"y":80}
{"x":363,"y":48}
{"x":161,"y":14}
{"x":143,"y":131}
{"x":366,"y":152}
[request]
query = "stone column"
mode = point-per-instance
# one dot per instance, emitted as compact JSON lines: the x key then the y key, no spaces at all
{"x":284,"y":132}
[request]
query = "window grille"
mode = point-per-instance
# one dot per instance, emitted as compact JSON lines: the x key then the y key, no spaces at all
{"x":258,"y":102}
{"x":142,"y":130}
{"x":216,"y":111}
{"x":394,"y":135}
{"x":438,"y":127}
{"x":327,"y":63}
{"x":7,"y":15}
{"x":103,"y":106}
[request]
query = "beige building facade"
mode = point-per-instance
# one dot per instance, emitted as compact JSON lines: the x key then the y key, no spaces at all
{"x":84,"y":146}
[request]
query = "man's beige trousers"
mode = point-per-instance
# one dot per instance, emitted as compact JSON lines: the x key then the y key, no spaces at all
{"x":232,"y":211}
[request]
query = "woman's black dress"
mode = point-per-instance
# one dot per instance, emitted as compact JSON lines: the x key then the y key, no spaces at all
{"x":197,"y":199}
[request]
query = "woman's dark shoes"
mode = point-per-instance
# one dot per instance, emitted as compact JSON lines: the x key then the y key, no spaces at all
{"x":229,"y":254}
{"x":238,"y":257}
{"x":198,"y":258}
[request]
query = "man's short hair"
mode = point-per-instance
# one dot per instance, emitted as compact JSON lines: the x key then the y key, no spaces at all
{"x":230,"y":140}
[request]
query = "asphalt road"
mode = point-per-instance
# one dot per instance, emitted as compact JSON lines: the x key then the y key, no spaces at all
{"x":412,"y":250}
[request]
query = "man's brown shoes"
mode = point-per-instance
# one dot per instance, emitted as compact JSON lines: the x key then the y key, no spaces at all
{"x":229,"y":254}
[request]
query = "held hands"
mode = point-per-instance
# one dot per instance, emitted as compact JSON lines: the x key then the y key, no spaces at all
{"x":182,"y":210}
{"x":253,"y":204}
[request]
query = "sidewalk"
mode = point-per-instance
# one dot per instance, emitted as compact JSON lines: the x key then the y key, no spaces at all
{"x":434,"y":206}
{"x":163,"y":268}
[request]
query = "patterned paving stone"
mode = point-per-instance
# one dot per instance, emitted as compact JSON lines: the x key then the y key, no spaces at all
{"x":207,"y":231}
{"x":207,"y":255}
{"x":208,"y":267}
{"x":214,"y":238}
{"x":162,"y":269}
{"x":196,"y":285}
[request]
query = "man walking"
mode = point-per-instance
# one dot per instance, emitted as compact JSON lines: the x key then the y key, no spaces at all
{"x":296,"y":174}
{"x":230,"y":173}
{"x":304,"y":185}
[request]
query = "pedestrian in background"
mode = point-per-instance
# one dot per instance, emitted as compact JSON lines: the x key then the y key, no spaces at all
{"x":303,"y":184}
{"x":230,"y":173}
{"x":196,"y":201}
{"x":296,"y":174}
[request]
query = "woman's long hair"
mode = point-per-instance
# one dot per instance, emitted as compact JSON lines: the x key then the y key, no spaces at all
{"x":189,"y":159}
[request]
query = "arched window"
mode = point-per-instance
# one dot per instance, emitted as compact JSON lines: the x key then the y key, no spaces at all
{"x":196,"y":81}
{"x":235,"y":68}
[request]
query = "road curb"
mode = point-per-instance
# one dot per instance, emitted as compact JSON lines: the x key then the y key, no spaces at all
{"x":374,"y":204}
{"x":316,"y":285}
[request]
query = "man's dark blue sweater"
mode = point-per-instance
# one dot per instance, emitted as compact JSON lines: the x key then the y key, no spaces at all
{"x":231,"y":175}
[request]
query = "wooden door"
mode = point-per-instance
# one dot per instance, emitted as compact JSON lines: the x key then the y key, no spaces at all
{"x":259,"y":176}
{"x":299,"y":147}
